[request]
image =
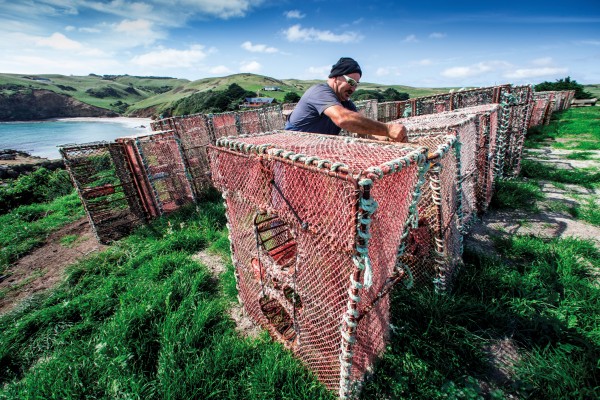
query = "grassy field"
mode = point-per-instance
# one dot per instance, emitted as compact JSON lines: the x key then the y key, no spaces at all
{"x":78,"y":86}
{"x":145,"y":320}
{"x":141,"y":93}
{"x":593,"y":89}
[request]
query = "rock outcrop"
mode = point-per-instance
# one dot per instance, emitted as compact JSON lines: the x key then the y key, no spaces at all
{"x":38,"y":104}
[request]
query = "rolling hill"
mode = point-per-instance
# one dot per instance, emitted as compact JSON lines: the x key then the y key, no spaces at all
{"x":147,"y":96}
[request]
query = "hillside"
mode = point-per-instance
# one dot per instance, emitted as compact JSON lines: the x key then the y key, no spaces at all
{"x":110,"y":93}
{"x":142,"y":96}
{"x":593,"y":89}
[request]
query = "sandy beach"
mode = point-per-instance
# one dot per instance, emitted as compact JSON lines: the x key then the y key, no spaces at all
{"x":127,"y":121}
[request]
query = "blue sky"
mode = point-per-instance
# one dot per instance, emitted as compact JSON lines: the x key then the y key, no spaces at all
{"x":424,"y":44}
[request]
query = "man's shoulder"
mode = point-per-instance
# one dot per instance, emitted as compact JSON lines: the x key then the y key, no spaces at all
{"x":319,"y":88}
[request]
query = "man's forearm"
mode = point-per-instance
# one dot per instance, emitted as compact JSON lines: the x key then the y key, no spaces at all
{"x":356,"y":123}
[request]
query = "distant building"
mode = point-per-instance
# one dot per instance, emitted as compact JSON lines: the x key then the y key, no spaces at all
{"x":254,"y":102}
{"x":271,"y":88}
{"x":38,"y":78}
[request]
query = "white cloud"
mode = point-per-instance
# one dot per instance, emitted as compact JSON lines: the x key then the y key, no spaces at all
{"x":90,"y":30}
{"x":542,"y":61}
{"x":132,"y":33}
{"x":522,"y":73}
{"x":172,"y":58}
{"x":387,"y":71}
{"x":251,"y":66}
{"x":219,"y":70}
{"x":424,"y":62}
{"x":174,"y":12}
{"x":590,"y":42}
{"x":298,"y":34}
{"x":411,"y":39}
{"x":437,"y":35}
{"x":474,"y":70}
{"x":258,"y":48}
{"x":58,"y":41}
{"x":318,"y":72}
{"x":294,"y":14}
{"x":129,"y":26}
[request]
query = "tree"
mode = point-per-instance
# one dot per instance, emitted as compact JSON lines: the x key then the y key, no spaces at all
{"x":391,"y":94}
{"x":564,"y":84}
{"x":291,"y":97}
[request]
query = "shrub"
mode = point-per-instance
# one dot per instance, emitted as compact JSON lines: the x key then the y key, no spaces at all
{"x":40,"y":186}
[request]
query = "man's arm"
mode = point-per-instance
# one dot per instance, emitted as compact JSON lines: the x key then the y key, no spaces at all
{"x":355,"y":122}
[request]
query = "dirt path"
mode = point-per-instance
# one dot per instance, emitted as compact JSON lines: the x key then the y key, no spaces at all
{"x":553,"y":219}
{"x":44,"y":267}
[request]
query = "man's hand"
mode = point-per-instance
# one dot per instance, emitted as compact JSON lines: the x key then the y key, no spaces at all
{"x":397,"y":133}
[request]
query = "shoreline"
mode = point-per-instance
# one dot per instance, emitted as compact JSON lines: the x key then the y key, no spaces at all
{"x":129,"y":121}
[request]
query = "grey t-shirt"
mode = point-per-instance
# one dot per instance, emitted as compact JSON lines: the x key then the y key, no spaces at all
{"x":308,"y":114}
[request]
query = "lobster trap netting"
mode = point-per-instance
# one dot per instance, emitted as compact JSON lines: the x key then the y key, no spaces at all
{"x":540,"y":107}
{"x":194,"y":134}
{"x":367,"y":108}
{"x":106,"y":187}
{"x":515,"y":121}
{"x":316,"y":227}
{"x":158,"y":162}
{"x":391,"y":110}
{"x":466,"y":128}
{"x":246,"y":122}
{"x":434,"y":243}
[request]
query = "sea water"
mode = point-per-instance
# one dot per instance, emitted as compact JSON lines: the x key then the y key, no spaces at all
{"x":42,"y":138}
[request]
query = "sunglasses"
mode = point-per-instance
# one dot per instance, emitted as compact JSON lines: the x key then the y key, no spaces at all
{"x":351,"y":81}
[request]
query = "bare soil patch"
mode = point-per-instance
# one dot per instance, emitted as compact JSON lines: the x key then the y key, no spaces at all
{"x":44,"y":267}
{"x":243,"y":323}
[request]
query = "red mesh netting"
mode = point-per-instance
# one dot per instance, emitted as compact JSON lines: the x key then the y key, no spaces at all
{"x":293,"y":200}
{"x":163,"y":168}
{"x":194,"y":134}
{"x":465,"y":127}
{"x":106,"y":187}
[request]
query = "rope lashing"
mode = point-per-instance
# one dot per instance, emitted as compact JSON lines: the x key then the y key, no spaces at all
{"x":367,"y":207}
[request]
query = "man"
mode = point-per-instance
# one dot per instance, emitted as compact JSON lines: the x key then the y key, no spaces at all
{"x":326,"y":108}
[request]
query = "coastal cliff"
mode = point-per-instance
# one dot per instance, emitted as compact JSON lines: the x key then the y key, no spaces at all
{"x":38,"y":104}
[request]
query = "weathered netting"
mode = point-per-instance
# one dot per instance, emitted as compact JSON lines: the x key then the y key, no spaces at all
{"x":455,"y":100}
{"x":465,"y":127}
{"x":434,"y":245}
{"x":390,"y":110}
{"x":309,"y":250}
{"x":288,"y":106}
{"x":194,"y":134}
{"x":367,"y":108}
{"x":160,"y":162}
{"x":246,"y":122}
{"x":100,"y":174}
{"x":517,"y":105}
{"x":540,"y":108}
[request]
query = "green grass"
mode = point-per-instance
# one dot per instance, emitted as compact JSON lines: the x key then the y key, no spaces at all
{"x":588,"y":211}
{"x":69,"y":240}
{"x":516,"y":194}
{"x":577,"y":129}
{"x":26,"y":227}
{"x":144,"y":320}
{"x":540,"y":295}
{"x":581,"y":155}
{"x":593,"y":89}
{"x":586,"y":177}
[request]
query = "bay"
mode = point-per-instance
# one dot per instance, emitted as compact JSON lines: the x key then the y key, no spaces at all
{"x":41,"y":138}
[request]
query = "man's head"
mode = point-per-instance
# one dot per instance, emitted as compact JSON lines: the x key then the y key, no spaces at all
{"x":344,"y":77}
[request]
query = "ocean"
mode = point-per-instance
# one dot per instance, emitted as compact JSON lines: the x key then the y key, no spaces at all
{"x":41,"y":138}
